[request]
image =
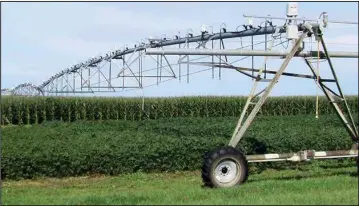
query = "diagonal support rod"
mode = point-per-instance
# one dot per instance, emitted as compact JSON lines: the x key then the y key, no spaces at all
{"x":239,"y":123}
{"x":234,"y":141}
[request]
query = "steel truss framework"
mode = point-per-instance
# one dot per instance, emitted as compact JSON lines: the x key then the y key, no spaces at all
{"x":124,"y":69}
{"x":130,"y":68}
{"x":26,"y":89}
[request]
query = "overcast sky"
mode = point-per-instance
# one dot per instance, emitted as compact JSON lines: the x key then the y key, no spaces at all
{"x":40,"y":39}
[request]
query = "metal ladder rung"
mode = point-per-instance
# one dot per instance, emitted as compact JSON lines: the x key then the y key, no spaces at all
{"x":315,"y":59}
{"x":327,"y":80}
{"x":264,"y":80}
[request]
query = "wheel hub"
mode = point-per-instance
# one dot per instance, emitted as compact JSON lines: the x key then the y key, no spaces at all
{"x":224,"y":170}
{"x":227,"y":171}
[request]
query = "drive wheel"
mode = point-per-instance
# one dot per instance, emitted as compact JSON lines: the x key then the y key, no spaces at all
{"x":224,"y":167}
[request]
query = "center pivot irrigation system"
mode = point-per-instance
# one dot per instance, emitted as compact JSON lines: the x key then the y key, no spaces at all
{"x":226,"y":167}
{"x":222,"y":167}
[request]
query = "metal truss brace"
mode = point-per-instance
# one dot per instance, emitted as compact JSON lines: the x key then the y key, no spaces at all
{"x":242,"y":128}
{"x":350,"y":127}
{"x":251,"y":95}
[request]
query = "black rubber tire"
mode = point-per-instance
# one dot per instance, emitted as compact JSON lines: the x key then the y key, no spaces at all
{"x":215,"y":157}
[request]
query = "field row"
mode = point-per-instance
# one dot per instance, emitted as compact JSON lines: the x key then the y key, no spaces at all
{"x":18,"y":110}
{"x":58,"y":149}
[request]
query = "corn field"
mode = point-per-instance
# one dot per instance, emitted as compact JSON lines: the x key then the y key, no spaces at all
{"x":35,"y":110}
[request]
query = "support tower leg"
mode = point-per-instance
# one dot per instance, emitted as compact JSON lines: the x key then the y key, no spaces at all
{"x":227,"y":167}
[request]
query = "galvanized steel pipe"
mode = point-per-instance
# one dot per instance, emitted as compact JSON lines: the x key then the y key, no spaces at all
{"x":237,"y":52}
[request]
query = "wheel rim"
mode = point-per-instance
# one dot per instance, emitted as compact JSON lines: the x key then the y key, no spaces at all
{"x":227,"y":172}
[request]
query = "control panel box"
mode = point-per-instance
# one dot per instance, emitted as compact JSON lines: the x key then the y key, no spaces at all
{"x":292,"y":9}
